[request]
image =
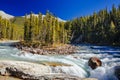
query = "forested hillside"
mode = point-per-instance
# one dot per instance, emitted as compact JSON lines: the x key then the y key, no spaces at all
{"x":9,"y":31}
{"x":102,"y":27}
{"x":46,"y":30}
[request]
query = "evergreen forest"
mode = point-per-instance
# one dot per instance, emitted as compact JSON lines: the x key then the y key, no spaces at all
{"x":101,"y":27}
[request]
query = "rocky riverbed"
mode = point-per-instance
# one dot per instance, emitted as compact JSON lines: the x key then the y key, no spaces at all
{"x":67,"y":66}
{"x":61,"y":50}
{"x":32,"y":71}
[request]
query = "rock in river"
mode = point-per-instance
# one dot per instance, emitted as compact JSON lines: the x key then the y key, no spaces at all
{"x":94,"y":62}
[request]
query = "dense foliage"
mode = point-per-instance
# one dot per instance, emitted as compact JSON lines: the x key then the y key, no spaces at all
{"x":101,"y":28}
{"x":44,"y":29}
{"x":9,"y":30}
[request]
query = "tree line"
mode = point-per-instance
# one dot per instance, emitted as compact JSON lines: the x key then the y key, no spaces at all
{"x":102,"y":27}
{"x":44,"y":29}
{"x":8,"y":30}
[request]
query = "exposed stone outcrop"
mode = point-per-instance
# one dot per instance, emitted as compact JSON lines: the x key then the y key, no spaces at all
{"x":66,"y":49}
{"x":31,"y":71}
{"x":94,"y":62}
{"x":22,"y":70}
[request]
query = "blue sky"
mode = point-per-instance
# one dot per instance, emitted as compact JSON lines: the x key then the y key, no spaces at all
{"x":65,"y":9}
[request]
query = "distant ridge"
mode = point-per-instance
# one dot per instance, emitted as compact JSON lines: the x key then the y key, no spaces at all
{"x":59,"y":19}
{"x":8,"y":16}
{"x":5,"y":15}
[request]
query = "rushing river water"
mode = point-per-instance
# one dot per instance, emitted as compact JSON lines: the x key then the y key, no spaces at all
{"x":109,"y":56}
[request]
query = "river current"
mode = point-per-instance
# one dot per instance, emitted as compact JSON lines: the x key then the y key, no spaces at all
{"x":110,"y":57}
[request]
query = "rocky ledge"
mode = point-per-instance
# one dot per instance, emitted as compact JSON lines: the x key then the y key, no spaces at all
{"x":64,"y":49}
{"x":32,"y":71}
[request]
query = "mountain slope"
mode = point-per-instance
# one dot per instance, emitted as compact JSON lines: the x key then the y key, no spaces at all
{"x":59,"y":19}
{"x":8,"y":16}
{"x":20,"y":20}
{"x":5,"y":15}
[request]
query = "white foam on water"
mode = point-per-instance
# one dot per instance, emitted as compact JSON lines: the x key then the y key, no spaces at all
{"x":77,"y":68}
{"x":103,"y":73}
{"x":77,"y":61}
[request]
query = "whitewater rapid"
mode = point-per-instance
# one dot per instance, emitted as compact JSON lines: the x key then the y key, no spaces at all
{"x":110,"y":57}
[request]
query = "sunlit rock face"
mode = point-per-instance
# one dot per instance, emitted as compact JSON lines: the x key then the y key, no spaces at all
{"x":31,"y":71}
{"x":94,"y":62}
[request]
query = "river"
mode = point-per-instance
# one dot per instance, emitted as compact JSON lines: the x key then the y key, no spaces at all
{"x":110,"y":57}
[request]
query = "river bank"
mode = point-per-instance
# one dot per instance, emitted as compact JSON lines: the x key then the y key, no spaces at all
{"x":46,"y":50}
{"x":9,"y":42}
{"x":34,"y":48}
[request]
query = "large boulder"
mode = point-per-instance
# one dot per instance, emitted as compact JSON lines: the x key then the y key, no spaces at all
{"x":94,"y":62}
{"x":117,"y":72}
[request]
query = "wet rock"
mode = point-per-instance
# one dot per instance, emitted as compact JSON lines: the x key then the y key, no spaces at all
{"x":2,"y":72}
{"x":31,"y":71}
{"x":94,"y":62}
{"x":23,"y":70}
{"x":117,"y":72}
{"x":65,"y":49}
